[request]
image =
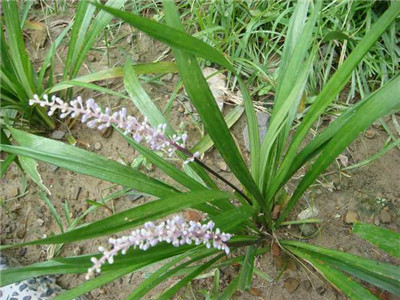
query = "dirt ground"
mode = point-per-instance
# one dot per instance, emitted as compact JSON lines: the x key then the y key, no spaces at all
{"x":337,"y":194}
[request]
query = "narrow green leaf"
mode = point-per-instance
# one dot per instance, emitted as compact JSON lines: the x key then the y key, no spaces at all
{"x":246,"y":273}
{"x":383,"y":238}
{"x":85,"y":162}
{"x":229,"y":290}
{"x":133,"y":217}
{"x":343,"y":282}
{"x":29,"y":166}
{"x":173,"y":37}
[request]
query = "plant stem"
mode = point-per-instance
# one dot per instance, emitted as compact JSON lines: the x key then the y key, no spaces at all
{"x":199,"y":162}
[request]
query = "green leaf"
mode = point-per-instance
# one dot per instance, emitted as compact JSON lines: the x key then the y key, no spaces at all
{"x":338,"y":81}
{"x":173,"y":290}
{"x":229,"y":290}
{"x":206,"y":142}
{"x":29,"y":166}
{"x":377,"y":105}
{"x":85,"y":162}
{"x":133,"y":217}
{"x":175,"y":38}
{"x":383,"y":238}
{"x":345,"y":283}
{"x":337,"y":35}
{"x":383,"y":275}
{"x":205,"y":104}
{"x":246,"y":273}
{"x":116,"y":72}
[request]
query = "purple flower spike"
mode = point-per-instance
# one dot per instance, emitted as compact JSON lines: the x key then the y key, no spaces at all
{"x":175,"y":231}
{"x":93,"y":116}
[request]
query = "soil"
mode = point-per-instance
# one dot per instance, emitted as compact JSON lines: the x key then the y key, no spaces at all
{"x":358,"y":191}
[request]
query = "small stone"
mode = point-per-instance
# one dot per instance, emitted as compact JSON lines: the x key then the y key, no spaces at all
{"x":16,"y":207}
{"x":21,"y":232}
{"x":370,"y":134}
{"x":308,"y":213}
{"x":22,"y":251}
{"x":262,"y":119}
{"x":57,"y":135}
{"x":291,"y":285}
{"x":385,"y":216}
{"x":181,"y":109}
{"x":53,"y":168}
{"x":377,"y":222}
{"x":306,"y":285}
{"x":222,"y":165}
{"x":168,"y":77}
{"x":78,"y":250}
{"x":350,"y":217}
{"x":307,"y":229}
{"x":14,"y":192}
{"x":107,"y":132}
{"x":97,"y":146}
{"x":39,"y":222}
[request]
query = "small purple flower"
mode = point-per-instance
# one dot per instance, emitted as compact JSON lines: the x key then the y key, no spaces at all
{"x":174,"y":231}
{"x":93,"y":116}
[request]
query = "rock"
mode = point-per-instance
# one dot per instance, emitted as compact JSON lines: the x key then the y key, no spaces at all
{"x":57,"y":135}
{"x":107,"y":132}
{"x":350,"y":217}
{"x":39,"y":222}
{"x":291,"y":285}
{"x":217,"y":84}
{"x":222,"y":165}
{"x":16,"y":207}
{"x":78,"y":250}
{"x":307,"y":229}
{"x":370,"y":134}
{"x":262,"y":119}
{"x":97,"y":146}
{"x":385,"y":216}
{"x":168,"y":76}
{"x":22,"y":251}
{"x":39,"y":35}
{"x":14,"y":192}
{"x":53,"y":168}
{"x":181,"y":109}
{"x":377,"y":222}
{"x":306,"y":285}
{"x":308,"y":213}
{"x":21,"y":232}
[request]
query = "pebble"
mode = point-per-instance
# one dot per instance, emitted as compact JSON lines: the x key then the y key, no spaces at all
{"x":262,"y":119}
{"x":291,"y":285}
{"x":168,"y":77}
{"x":58,"y":135}
{"x":21,"y":232}
{"x":40,"y":222}
{"x":222,"y":165}
{"x":307,"y":229}
{"x":97,"y":146}
{"x":370,"y":134}
{"x":22,"y":251}
{"x":350,"y":217}
{"x":53,"y":168}
{"x":306,"y":285}
{"x":14,"y":192}
{"x":107,"y":132}
{"x":181,"y":109}
{"x":385,"y":216}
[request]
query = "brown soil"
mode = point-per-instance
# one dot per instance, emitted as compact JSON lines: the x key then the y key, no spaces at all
{"x":28,"y":218}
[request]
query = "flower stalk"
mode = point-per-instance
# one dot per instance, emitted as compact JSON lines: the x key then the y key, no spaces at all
{"x":175,"y":231}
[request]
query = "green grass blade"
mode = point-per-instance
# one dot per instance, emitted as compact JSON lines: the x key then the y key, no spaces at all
{"x":246,"y":273}
{"x":206,"y":142}
{"x":29,"y":166}
{"x":343,"y":282}
{"x":205,"y":104}
{"x":133,"y":217}
{"x":339,"y":80}
{"x":229,"y":290}
{"x":378,"y":104}
{"x":85,"y":162}
{"x":173,"y":37}
{"x":53,"y":211}
{"x":383,"y":275}
{"x":383,"y":238}
{"x":116,"y":72}
{"x":172,"y":291}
